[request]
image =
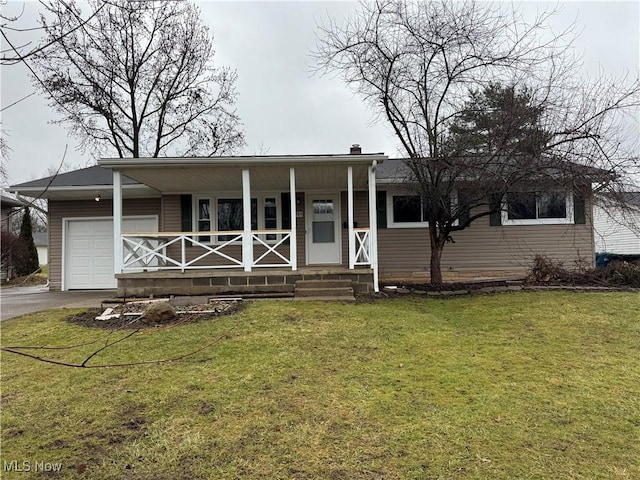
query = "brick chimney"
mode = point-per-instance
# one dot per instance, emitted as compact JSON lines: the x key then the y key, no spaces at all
{"x":355,"y":149}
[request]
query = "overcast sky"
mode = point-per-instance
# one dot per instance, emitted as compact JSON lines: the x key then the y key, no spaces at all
{"x":284,"y":108}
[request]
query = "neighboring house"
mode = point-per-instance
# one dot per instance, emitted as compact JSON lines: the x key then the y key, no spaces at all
{"x":617,"y":228}
{"x":41,"y":242}
{"x":8,"y":207}
{"x":207,"y":225}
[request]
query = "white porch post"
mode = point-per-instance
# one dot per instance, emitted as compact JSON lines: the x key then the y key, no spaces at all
{"x":352,"y":245}
{"x":293,"y":243}
{"x":373,"y":225}
{"x":247,"y":240}
{"x":118,"y":252}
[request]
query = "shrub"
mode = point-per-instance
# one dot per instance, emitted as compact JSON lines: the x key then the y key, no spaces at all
{"x":547,"y":270}
{"x":27,"y":263}
{"x":623,"y":273}
{"x":12,"y":250}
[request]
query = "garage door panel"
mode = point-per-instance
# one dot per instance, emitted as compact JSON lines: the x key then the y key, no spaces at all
{"x":102,"y":279}
{"x":89,"y":250}
{"x":103,"y":227}
{"x":80,"y":243}
{"x":103,"y":243}
{"x":81,"y":281}
{"x":99,"y":262}
{"x":80,"y":261}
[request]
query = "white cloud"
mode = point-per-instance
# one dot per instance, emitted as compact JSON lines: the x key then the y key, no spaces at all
{"x":285,"y":108}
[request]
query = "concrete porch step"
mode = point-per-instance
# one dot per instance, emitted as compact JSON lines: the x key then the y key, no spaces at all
{"x":336,"y":290}
{"x":330,"y":283}
{"x":324,"y":292}
{"x":325,"y":299}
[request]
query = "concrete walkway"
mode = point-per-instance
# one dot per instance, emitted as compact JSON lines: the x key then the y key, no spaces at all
{"x":16,"y":301}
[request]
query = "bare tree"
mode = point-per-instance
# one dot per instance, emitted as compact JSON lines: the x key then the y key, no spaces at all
{"x":419,"y":64}
{"x":5,"y":150}
{"x":138,"y":78}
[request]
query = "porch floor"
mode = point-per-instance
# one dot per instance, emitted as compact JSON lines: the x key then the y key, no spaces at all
{"x":217,"y":281}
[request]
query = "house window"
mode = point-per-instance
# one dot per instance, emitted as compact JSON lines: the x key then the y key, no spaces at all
{"x":552,"y":205}
{"x":521,"y":206}
{"x":230,"y":216}
{"x":405,"y":211}
{"x":529,"y":208}
{"x":204,"y":218}
{"x":227,"y":216}
{"x":270,"y":217}
{"x":410,"y":211}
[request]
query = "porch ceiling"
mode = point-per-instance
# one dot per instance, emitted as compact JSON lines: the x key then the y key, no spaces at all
{"x":206,"y":178}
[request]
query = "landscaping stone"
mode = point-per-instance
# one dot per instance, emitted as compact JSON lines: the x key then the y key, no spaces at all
{"x":158,"y":313}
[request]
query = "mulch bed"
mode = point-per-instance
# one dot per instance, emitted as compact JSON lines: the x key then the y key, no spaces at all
{"x":213,"y":310}
{"x":401,"y":289}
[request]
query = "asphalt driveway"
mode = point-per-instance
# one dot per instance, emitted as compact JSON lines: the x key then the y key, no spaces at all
{"x":16,"y":301}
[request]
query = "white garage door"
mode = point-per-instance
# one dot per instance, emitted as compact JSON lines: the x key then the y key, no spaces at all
{"x":89,"y":250}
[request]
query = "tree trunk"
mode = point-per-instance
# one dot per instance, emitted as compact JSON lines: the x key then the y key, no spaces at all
{"x":436,"y":255}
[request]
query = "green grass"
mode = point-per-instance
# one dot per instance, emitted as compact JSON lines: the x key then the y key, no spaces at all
{"x":527,"y":385}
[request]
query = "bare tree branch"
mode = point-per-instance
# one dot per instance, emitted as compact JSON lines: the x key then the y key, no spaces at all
{"x":138,"y":78}
{"x":419,"y":65}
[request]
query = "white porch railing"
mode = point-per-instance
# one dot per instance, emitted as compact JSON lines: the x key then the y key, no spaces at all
{"x":189,"y":251}
{"x":272,"y":249}
{"x":156,"y":251}
{"x":362,"y":239}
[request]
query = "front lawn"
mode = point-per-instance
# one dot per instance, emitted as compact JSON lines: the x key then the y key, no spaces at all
{"x":521,"y":385}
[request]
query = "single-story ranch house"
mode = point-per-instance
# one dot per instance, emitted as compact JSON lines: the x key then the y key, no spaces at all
{"x":260,"y":223}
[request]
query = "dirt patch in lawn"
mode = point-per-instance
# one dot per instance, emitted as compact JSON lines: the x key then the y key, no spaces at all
{"x":130,"y":315}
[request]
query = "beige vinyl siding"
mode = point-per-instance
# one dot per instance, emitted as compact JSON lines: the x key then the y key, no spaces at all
{"x":482,"y":247}
{"x":59,"y":210}
{"x":401,"y":251}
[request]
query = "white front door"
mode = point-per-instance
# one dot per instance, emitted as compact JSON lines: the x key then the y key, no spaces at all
{"x":323,"y":229}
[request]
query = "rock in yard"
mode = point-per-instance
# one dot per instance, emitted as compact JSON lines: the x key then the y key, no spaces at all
{"x":158,"y":313}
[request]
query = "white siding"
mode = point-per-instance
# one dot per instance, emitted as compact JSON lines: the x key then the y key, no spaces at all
{"x":617,"y":232}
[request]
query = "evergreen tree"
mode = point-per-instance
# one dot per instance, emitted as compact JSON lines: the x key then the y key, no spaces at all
{"x":498,"y":119}
{"x":28,"y":263}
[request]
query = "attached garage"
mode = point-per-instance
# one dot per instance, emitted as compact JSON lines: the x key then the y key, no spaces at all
{"x":88,"y":250}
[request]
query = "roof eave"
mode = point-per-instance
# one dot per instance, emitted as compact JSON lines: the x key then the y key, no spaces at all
{"x":84,"y":191}
{"x":120,"y":163}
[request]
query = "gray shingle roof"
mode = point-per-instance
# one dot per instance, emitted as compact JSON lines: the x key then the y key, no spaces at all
{"x":10,"y":202}
{"x":397,"y":169}
{"x":95,"y":175}
{"x":392,"y":168}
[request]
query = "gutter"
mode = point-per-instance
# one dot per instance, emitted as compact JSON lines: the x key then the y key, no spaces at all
{"x":115,"y":163}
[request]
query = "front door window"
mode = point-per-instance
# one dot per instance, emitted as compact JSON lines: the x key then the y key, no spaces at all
{"x":323,"y":230}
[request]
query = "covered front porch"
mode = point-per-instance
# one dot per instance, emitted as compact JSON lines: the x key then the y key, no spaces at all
{"x":248,"y":223}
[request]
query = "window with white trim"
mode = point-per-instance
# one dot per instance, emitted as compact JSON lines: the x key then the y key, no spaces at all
{"x":229,"y":216}
{"x":271,"y":217}
{"x":405,"y":211}
{"x":409,"y":210}
{"x":203,"y":220}
{"x":532,"y":208}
